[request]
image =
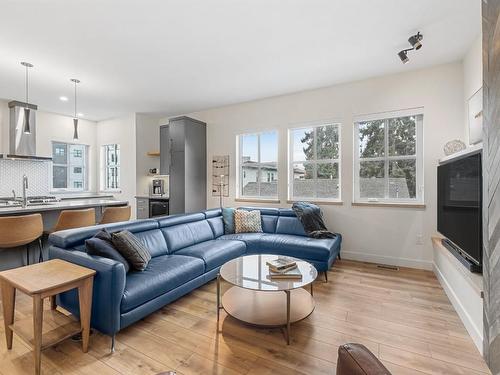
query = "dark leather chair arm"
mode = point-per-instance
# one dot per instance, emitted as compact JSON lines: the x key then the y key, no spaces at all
{"x":356,"y":359}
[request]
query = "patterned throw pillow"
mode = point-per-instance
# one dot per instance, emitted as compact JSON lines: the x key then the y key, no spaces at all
{"x":228,"y":218}
{"x":132,"y":249}
{"x":247,"y":221}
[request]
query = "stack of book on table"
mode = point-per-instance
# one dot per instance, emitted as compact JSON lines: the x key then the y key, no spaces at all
{"x":283,"y":268}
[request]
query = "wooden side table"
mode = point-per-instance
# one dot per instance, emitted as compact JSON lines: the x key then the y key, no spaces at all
{"x":40,"y":281}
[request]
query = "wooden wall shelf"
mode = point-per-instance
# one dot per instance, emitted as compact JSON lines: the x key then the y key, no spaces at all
{"x":153,"y":153}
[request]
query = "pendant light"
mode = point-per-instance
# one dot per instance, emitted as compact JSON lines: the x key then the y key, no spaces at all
{"x":26,"y":125}
{"x":75,"y":118}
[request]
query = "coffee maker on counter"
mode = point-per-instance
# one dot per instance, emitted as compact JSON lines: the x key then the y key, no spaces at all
{"x":158,"y":187}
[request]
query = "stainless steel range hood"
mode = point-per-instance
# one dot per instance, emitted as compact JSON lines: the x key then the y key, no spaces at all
{"x":22,"y":145}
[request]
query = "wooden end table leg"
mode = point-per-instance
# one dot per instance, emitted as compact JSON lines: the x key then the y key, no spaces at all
{"x":53,"y":304}
{"x":8,"y":303}
{"x":85,"y":300}
{"x":37,"y":331}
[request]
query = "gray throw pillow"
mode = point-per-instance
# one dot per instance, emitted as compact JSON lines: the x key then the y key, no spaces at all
{"x":132,"y":249}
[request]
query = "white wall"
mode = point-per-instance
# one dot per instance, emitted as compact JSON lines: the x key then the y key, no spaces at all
{"x":378,"y":234}
{"x":473,"y":76}
{"x":122,"y":131}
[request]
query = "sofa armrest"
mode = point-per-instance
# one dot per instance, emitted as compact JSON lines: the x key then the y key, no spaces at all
{"x":356,"y":359}
{"x":109,"y":284}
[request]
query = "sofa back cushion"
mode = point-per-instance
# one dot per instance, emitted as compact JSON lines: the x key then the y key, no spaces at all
{"x":217,"y":225}
{"x":288,"y":223}
{"x":154,"y":242}
{"x":75,"y":238}
{"x":188,"y":233}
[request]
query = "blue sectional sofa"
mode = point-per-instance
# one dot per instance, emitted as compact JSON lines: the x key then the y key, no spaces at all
{"x":187,"y":252}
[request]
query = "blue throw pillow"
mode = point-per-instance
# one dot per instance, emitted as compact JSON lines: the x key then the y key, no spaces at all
{"x":103,"y":248}
{"x":228,"y":218}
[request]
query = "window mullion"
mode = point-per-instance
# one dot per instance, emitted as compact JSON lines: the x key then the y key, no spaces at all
{"x":386,"y":156}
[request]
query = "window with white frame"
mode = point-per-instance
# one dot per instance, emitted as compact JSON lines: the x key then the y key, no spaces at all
{"x":258,"y":165}
{"x":314,"y":162}
{"x":69,"y":166}
{"x":111,"y":167}
{"x":388,"y":157}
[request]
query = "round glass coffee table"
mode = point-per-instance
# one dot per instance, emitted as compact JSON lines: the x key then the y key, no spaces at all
{"x":256,"y":299}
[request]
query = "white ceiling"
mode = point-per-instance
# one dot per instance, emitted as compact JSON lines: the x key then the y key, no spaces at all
{"x":177,"y":56}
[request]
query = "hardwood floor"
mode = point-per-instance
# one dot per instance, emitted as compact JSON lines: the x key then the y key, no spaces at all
{"x":404,"y":317}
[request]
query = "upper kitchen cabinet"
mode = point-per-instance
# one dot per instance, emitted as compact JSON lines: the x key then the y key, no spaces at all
{"x":183,"y":156}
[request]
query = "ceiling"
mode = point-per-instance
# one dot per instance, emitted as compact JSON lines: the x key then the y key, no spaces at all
{"x":178,"y":56}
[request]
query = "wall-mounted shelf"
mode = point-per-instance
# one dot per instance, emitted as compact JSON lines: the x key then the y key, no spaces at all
{"x":157,"y":175}
{"x":153,"y":153}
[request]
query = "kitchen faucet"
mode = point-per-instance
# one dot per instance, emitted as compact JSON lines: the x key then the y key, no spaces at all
{"x":25,"y":187}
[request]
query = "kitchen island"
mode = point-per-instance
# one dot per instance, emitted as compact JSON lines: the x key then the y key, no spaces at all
{"x":10,"y":258}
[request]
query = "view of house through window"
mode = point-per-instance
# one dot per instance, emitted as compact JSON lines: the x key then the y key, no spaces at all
{"x":111,"y":167}
{"x":69,"y":166}
{"x":315,"y":162}
{"x":389,"y":158}
{"x":258,"y":164}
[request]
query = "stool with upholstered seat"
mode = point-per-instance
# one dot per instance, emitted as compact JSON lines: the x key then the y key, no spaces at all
{"x":115,"y":214}
{"x":21,"y":231}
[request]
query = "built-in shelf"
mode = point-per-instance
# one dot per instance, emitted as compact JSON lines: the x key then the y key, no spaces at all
{"x":157,"y":175}
{"x":461,"y":154}
{"x":153,"y":153}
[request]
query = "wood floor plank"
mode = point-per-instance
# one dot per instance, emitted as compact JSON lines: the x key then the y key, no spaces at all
{"x":403,"y":317}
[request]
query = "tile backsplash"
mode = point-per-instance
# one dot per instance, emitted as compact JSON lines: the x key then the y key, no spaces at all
{"x":11,"y":177}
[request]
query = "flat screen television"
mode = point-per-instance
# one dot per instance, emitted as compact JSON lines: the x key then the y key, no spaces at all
{"x":460,"y":207}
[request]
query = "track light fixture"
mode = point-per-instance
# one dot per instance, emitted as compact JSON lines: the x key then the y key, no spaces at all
{"x":415,"y":42}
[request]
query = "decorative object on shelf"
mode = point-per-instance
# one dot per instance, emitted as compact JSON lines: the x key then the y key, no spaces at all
{"x":75,"y":117}
{"x":26,"y":125}
{"x":475,"y":113}
{"x":220,"y":176}
{"x":453,"y":147}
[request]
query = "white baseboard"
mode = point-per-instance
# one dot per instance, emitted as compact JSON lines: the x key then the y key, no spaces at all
{"x":382,"y":259}
{"x":475,"y":333}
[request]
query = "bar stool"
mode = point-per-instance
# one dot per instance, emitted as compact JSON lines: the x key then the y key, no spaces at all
{"x":115,"y":214}
{"x":69,"y":219}
{"x":21,"y":231}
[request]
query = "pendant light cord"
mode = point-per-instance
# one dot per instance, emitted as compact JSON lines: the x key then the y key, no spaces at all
{"x":27,"y":86}
{"x":75,"y":99}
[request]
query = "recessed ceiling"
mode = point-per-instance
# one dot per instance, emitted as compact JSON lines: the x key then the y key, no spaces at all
{"x":171,"y":57}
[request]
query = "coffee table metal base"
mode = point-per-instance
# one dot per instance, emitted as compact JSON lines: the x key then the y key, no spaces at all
{"x":268,"y":309}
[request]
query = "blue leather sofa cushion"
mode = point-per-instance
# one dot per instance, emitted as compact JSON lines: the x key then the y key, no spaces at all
{"x":69,"y":238}
{"x":217,"y":226}
{"x":184,"y":235}
{"x":154,"y":242}
{"x":170,"y":221}
{"x":213,"y":212}
{"x":299,"y":246}
{"x":163,"y":274}
{"x":269,"y":223}
{"x":214,"y":253}
{"x":290,"y":225}
{"x":251,"y":240}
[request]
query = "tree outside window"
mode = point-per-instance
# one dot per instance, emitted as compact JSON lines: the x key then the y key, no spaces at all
{"x":315,"y":163}
{"x":388,"y":158}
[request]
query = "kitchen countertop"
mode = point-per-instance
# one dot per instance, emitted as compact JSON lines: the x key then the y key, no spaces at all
{"x":62,"y":205}
{"x":165,"y":198}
